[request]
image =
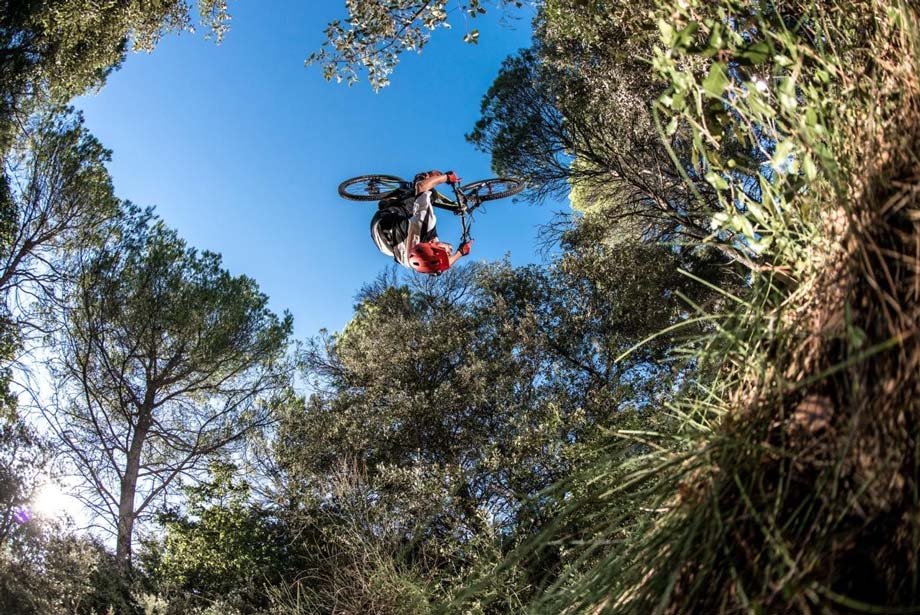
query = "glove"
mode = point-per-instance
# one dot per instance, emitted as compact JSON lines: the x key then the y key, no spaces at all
{"x":464,"y":248}
{"x":452,"y":177}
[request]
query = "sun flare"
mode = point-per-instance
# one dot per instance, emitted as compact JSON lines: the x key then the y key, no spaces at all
{"x":51,"y":501}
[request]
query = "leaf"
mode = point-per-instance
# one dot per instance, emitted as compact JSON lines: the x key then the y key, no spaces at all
{"x":743,"y":225}
{"x":756,"y":211}
{"x":671,"y":128}
{"x":782,"y":60}
{"x":808,"y":165}
{"x":472,"y":37}
{"x":667,"y":32}
{"x":756,"y":53}
{"x":811,"y":117}
{"x":781,"y":154}
{"x":685,"y":36}
{"x":786,"y":95}
{"x":719,"y":219}
{"x":716,"y":81}
{"x":715,"y":42}
{"x":716,"y":180}
{"x":678,"y":102}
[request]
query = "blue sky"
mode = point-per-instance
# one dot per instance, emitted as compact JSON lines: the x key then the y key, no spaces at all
{"x":240,"y":147}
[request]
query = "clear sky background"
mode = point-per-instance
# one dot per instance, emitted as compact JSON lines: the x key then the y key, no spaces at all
{"x":241,"y":148}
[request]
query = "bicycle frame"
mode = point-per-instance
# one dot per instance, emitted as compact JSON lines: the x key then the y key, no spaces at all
{"x":459,"y":207}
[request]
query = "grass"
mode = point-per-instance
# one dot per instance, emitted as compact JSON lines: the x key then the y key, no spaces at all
{"x":790,"y":482}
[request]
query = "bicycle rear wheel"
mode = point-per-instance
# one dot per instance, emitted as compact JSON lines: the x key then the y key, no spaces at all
{"x":370,"y":187}
{"x":492,"y":189}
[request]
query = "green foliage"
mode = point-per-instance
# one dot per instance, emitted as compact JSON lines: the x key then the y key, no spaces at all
{"x":575,"y":113}
{"x":376,"y":33}
{"x":55,"y":193}
{"x":361,"y":552}
{"x":770,"y":91}
{"x":791,"y":467}
{"x":50,"y":570}
{"x":52,"y":51}
{"x":445,"y":411}
{"x":221,"y":548}
{"x":165,"y":358}
{"x":523,"y":128}
{"x":23,"y":466}
{"x":466,"y":379}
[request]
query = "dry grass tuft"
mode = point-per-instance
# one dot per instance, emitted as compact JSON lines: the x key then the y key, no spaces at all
{"x":798,"y":488}
{"x":830,"y":520}
{"x":792,"y":482}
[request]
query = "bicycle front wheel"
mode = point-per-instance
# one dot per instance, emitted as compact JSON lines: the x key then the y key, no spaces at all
{"x":370,"y":187}
{"x":492,"y":189}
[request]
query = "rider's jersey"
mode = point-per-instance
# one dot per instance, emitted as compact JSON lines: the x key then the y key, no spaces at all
{"x":396,"y":229}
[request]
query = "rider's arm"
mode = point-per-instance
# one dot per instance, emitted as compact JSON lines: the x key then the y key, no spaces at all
{"x":435,"y":179}
{"x":421,"y":211}
{"x":463,"y":250}
{"x":413,"y":236}
{"x":455,"y":257}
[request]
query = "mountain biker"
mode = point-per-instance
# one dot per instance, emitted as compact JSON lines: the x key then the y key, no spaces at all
{"x":404,"y":228}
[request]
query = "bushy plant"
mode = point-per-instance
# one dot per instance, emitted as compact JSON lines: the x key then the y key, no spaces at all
{"x":789,"y":483}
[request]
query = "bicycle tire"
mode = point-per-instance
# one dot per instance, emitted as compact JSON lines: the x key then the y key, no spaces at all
{"x":496,"y":188}
{"x":365,"y":187}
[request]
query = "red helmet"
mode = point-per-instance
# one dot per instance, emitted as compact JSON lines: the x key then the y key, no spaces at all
{"x":429,"y":258}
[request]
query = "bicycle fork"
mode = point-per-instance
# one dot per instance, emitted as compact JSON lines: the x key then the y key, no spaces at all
{"x":464,"y":213}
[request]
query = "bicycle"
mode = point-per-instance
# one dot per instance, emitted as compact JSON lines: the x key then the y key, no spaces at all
{"x":468,"y":197}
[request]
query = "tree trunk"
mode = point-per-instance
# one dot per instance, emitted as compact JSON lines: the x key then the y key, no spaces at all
{"x":126,"y":514}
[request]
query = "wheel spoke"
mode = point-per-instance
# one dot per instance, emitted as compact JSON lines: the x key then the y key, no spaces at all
{"x":370,"y":187}
{"x":492,"y":189}
{"x":374,"y":187}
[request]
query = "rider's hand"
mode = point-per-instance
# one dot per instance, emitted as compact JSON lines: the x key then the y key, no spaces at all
{"x":452,"y":177}
{"x":464,"y":248}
